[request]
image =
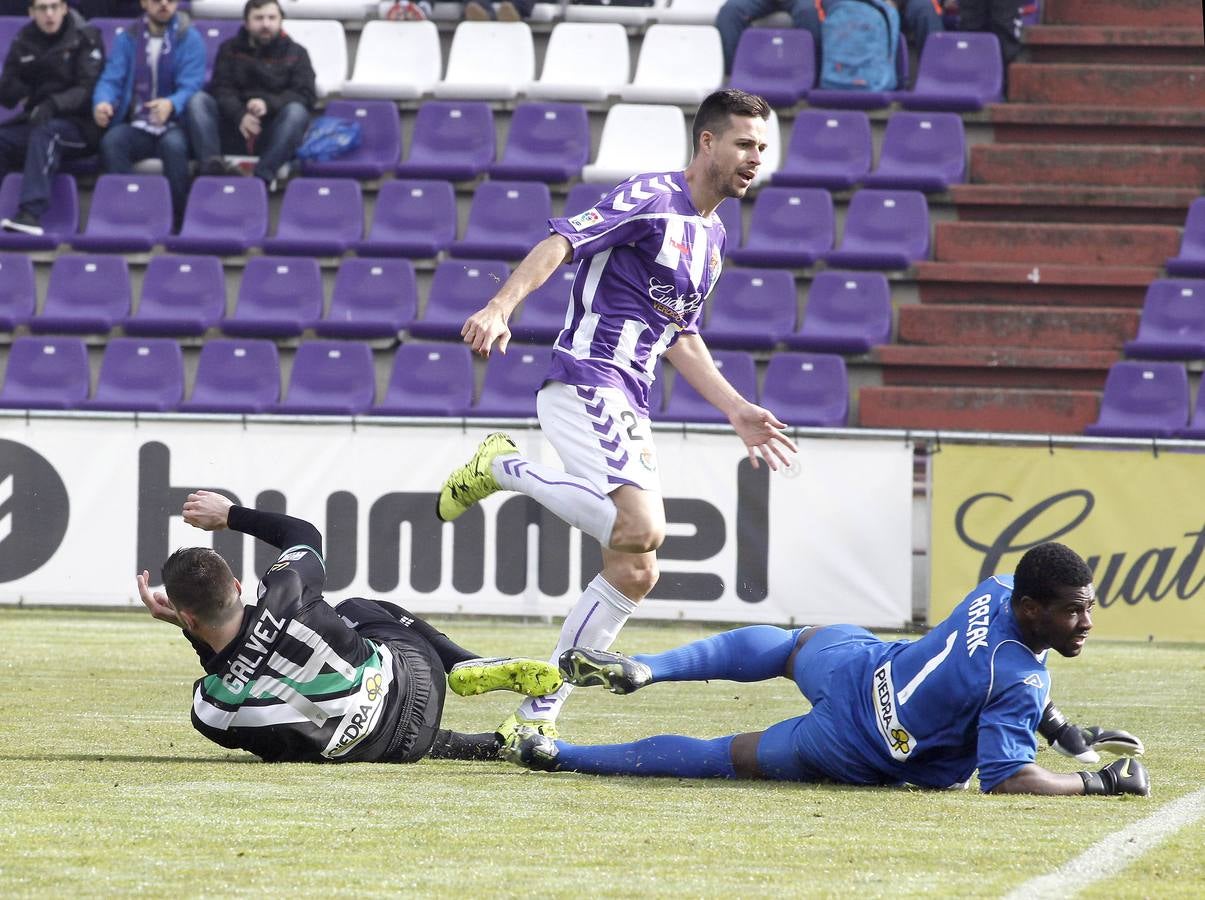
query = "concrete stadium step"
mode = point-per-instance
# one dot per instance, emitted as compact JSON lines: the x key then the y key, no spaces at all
{"x":978,"y":409}
{"x":1033,"y":123}
{"x":1149,"y":45}
{"x":1129,"y":13}
{"x":1033,"y":327}
{"x":1067,"y":164}
{"x":959,"y":366}
{"x":1078,"y":84}
{"x":1054,"y":243}
{"x":1080,"y":203}
{"x":1030,"y":285}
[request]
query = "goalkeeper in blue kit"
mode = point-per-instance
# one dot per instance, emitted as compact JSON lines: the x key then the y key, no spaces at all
{"x":969,"y":695}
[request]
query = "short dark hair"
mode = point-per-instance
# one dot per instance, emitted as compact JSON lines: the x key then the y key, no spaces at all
{"x":198,"y":580}
{"x":1047,"y":568}
{"x":256,"y":4}
{"x":716,"y":108}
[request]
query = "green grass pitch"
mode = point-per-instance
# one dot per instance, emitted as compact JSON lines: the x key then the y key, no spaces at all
{"x":105,"y":790}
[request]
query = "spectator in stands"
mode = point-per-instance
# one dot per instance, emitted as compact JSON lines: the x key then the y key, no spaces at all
{"x":156,"y":66}
{"x":502,"y":10}
{"x":260,"y":99}
{"x":406,"y":11}
{"x":51,"y":67}
{"x":999,"y":17}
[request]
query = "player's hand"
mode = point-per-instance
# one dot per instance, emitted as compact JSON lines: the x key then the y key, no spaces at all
{"x":156,"y":602}
{"x":484,"y":328}
{"x":103,"y":114}
{"x":762,"y":433}
{"x":1082,"y":743}
{"x":159,"y":110}
{"x":257,"y":107}
{"x":249,"y":127}
{"x":1122,"y":776}
{"x":207,"y":510}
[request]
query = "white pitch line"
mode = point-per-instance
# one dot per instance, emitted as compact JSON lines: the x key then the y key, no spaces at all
{"x":1113,"y":853}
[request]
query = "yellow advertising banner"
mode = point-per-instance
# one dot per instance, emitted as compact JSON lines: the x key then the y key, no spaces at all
{"x":1137,"y":518}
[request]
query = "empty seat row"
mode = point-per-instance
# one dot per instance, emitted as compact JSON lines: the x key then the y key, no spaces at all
{"x":1148,"y":399}
{"x":339,"y":378}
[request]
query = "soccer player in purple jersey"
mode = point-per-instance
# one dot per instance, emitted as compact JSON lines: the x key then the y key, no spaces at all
{"x":648,"y":255}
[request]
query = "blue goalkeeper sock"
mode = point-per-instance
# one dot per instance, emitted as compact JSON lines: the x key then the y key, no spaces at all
{"x":753,"y":653}
{"x":665,"y":754}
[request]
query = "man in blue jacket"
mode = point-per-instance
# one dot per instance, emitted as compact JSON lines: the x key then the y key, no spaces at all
{"x":155,"y":67}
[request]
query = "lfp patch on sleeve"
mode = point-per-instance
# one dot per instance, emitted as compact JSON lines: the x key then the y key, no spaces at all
{"x":582,"y":221}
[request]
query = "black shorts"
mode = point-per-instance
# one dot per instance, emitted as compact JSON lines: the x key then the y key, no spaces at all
{"x":420,"y":687}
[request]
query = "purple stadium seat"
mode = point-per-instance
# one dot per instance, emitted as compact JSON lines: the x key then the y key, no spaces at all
{"x":139,"y":375}
{"x":380,"y":140}
{"x":829,"y":148}
{"x":855,"y":99}
{"x":429,"y":380}
{"x":506,"y":219}
{"x":790,"y":227}
{"x":109,"y":28}
{"x":85,"y":295}
{"x":546,"y":142}
{"x":776,"y":63}
{"x":412,"y":218}
{"x":235,"y":376}
{"x":883,"y":230}
{"x":372,"y":298}
{"x":60,"y":222}
{"x":1196,"y":428}
{"x":459,"y":288}
{"x":452,"y":139}
{"x":846,"y":312}
{"x":922,"y":152}
{"x":278,"y":297}
{"x":224,"y":216}
{"x":215,"y":32}
{"x":129,"y":213}
{"x":318,"y":217}
{"x":511,"y":382}
{"x":751,"y":309}
{"x":807,"y":389}
{"x":730,"y":214}
{"x":584,"y":195}
{"x":1173,"y":321}
{"x":18,"y":290}
{"x":1191,"y":261}
{"x":181,"y":295}
{"x":687,"y":405}
{"x":959,"y":70}
{"x":330,"y":378}
{"x":542,"y":315}
{"x":1143,"y":399}
{"x":46,"y":373}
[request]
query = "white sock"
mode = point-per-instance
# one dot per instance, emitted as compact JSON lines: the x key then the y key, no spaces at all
{"x":593,"y":622}
{"x":573,"y":499}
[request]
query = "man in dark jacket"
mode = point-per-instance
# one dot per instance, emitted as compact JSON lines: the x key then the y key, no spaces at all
{"x":259,"y":100}
{"x":51,"y":68}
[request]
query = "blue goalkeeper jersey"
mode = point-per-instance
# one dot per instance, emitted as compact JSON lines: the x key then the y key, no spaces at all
{"x":968,"y":695}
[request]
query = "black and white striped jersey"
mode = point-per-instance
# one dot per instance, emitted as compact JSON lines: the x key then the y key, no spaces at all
{"x":298,"y":683}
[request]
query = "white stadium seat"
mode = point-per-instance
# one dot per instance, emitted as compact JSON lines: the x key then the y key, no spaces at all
{"x":326,"y":43}
{"x":624,"y":15}
{"x":772,"y":158}
{"x":688,"y":12}
{"x":639,"y":138}
{"x":396,"y":61}
{"x":564,"y":77}
{"x":489,"y":61}
{"x":677,"y":64}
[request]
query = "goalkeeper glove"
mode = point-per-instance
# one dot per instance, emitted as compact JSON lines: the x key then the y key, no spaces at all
{"x":1082,"y":743}
{"x":1122,"y":776}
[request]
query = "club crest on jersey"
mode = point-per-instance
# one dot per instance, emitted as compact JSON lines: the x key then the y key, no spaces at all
{"x":648,"y":459}
{"x":582,"y":221}
{"x":713,"y":264}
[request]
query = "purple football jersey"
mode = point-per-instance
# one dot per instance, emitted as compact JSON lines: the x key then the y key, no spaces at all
{"x":646,"y":262}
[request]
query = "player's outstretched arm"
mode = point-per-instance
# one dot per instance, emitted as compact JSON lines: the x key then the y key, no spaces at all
{"x":1124,"y":776}
{"x":489,"y":325}
{"x":757,"y":427}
